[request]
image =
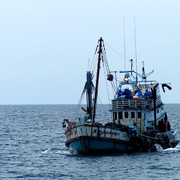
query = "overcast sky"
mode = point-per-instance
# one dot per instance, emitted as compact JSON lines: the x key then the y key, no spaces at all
{"x":45,"y":45}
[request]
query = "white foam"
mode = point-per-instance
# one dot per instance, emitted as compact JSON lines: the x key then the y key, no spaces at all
{"x":46,"y":151}
{"x":176,"y":149}
{"x":63,"y":152}
{"x":158,"y":148}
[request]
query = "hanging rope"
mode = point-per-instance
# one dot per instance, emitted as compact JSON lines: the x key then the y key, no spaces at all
{"x":106,"y":85}
{"x":108,"y":69}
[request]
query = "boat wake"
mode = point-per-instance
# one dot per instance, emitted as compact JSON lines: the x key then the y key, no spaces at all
{"x":174,"y":150}
{"x":158,"y":148}
{"x":169,"y":150}
{"x":46,"y":151}
{"x":61,"y":152}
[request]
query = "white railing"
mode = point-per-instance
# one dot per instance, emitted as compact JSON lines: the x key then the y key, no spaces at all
{"x":135,"y":103}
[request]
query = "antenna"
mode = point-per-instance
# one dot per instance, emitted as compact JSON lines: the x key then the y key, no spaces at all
{"x":135,"y":47}
{"x":124,"y":42}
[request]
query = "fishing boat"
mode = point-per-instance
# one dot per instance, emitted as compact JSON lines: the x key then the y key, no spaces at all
{"x":139,"y":122}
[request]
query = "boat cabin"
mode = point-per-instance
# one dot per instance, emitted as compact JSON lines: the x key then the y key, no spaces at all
{"x":133,"y":105}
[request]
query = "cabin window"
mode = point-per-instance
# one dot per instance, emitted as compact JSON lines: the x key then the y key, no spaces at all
{"x":126,"y":114}
{"x":139,"y":115}
{"x":132,"y":114}
{"x":115,"y":116}
{"x":120,"y":115}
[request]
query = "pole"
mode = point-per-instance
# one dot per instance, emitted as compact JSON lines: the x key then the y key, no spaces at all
{"x":135,"y":43}
{"x":154,"y":98}
{"x":124,"y":43}
{"x":97,"y":78}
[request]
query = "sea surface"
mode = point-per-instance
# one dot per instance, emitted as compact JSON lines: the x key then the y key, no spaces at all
{"x":32,"y":146}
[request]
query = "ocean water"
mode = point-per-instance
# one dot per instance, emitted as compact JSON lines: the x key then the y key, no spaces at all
{"x":32,"y":147}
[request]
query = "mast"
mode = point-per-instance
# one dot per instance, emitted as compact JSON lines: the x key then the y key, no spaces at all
{"x":135,"y":43}
{"x":97,"y":77}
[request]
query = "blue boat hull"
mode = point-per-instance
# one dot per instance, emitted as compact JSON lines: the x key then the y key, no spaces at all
{"x":90,"y":145}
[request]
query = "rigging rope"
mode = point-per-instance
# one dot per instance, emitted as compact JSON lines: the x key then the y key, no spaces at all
{"x":108,"y":69}
{"x":106,"y":84}
{"x":116,"y":51}
{"x":93,"y":64}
